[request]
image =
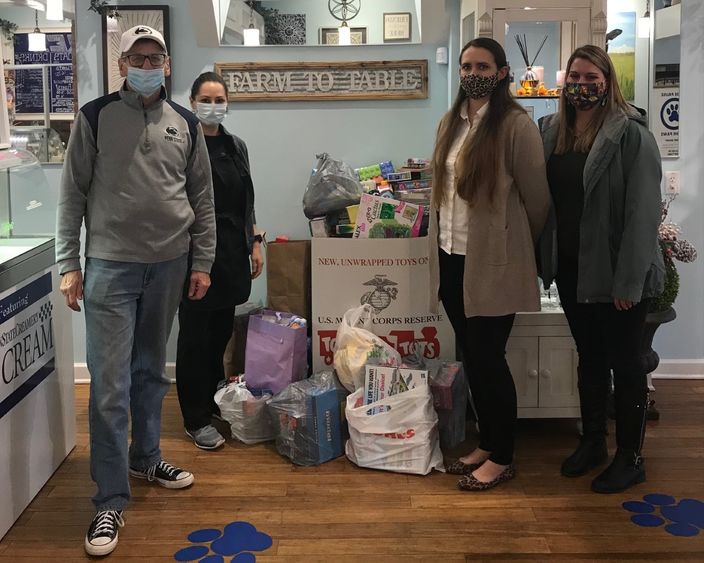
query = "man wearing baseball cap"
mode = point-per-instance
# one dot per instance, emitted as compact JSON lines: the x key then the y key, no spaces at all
{"x":137,"y":172}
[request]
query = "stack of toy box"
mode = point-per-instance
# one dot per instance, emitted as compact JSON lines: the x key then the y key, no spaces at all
{"x":381,"y":217}
{"x":308,"y":417}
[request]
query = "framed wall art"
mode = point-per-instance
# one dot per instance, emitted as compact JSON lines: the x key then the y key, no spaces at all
{"x":154,"y":16}
{"x":331,"y":36}
{"x":397,"y":26}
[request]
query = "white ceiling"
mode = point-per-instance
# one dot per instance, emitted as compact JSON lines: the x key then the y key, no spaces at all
{"x":69,"y":6}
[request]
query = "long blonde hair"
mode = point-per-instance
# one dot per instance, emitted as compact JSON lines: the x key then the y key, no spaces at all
{"x":478,"y":159}
{"x":566,"y":136}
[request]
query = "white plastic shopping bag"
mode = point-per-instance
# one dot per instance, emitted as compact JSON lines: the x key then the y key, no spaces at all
{"x":355,"y":344}
{"x":245,"y":412}
{"x":398,"y":433}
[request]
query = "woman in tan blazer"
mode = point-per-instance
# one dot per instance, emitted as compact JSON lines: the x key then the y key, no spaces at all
{"x":489,"y":204}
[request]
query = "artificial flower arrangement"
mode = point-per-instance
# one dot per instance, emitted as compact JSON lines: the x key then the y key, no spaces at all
{"x":673,"y":248}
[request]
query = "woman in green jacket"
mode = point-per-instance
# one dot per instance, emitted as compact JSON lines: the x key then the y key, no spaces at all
{"x":601,"y":245}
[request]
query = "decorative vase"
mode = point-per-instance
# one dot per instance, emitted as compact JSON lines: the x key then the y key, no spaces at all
{"x":648,"y":356}
{"x":529,"y":80}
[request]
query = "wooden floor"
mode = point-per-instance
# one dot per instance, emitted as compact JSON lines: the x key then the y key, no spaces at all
{"x":339,"y":513}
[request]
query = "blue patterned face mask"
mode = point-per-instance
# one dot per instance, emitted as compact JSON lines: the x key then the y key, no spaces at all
{"x":210,"y":114}
{"x":145,"y":82}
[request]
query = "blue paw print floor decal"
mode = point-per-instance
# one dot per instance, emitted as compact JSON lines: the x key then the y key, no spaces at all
{"x":238,"y":541}
{"x":684,"y":518}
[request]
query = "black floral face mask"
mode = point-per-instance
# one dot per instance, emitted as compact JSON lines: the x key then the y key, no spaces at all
{"x":477,"y":87}
{"x":585,"y":95}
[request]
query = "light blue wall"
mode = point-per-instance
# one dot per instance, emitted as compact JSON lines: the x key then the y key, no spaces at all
{"x":283,"y":138}
{"x":684,"y":338}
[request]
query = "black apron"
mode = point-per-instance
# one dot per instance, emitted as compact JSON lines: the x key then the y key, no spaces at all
{"x":230,"y":276}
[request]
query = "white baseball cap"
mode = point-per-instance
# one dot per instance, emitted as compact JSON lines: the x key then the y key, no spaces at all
{"x":134,"y":34}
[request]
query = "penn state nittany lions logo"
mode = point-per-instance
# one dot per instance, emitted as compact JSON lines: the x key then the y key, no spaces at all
{"x":141,"y":30}
{"x":171,"y":130}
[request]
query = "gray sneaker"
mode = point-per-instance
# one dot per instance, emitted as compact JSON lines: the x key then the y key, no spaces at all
{"x":206,"y":438}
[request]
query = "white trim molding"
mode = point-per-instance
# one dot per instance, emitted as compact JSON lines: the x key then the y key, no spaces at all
{"x":680,"y":369}
{"x":82,"y":375}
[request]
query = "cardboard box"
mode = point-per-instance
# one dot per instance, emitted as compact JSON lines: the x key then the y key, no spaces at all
{"x":383,"y":217}
{"x":311,"y":430}
{"x":407,"y":378}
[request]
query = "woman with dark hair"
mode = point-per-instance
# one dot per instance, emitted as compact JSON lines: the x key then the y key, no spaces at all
{"x":206,"y":325}
{"x":489,"y":204}
{"x":601,"y":245}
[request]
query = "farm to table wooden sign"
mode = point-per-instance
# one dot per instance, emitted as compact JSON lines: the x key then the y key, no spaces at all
{"x":365,"y":80}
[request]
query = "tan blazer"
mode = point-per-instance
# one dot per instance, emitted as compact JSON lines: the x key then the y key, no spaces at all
{"x":500,"y":275}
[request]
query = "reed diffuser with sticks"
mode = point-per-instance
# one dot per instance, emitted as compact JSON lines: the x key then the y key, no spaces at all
{"x":529,"y":79}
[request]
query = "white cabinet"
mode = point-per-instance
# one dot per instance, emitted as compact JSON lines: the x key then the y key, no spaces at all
{"x":543,"y":360}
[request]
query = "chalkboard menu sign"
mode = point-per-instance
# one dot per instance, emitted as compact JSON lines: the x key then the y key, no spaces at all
{"x":28,"y":83}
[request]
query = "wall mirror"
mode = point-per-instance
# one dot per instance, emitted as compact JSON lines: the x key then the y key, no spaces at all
{"x":542,"y":39}
{"x":318,"y":22}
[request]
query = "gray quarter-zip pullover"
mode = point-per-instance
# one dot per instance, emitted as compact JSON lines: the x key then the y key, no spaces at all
{"x":141,"y":179}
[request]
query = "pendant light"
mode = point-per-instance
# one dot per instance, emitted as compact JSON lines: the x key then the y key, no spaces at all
{"x":344,"y":37}
{"x":343,"y":11}
{"x":55,"y":10}
{"x":251,"y":34}
{"x":37,"y":39}
{"x":644,"y":22}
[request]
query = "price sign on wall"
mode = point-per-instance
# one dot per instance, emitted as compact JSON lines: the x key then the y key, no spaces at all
{"x":28,"y":83}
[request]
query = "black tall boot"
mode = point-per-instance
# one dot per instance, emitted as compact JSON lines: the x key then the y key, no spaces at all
{"x":591,"y":450}
{"x":627,"y":468}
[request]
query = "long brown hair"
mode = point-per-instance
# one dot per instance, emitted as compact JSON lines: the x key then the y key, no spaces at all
{"x":614,"y":102}
{"x":478,"y":159}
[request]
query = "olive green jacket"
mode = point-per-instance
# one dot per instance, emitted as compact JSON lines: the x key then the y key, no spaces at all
{"x":619,"y":254}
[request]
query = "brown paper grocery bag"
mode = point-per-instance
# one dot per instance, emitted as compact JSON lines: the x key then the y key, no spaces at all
{"x":233,"y":358}
{"x":288,"y":277}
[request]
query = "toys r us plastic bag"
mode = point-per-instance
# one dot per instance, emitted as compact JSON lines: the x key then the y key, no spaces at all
{"x":398,"y":433}
{"x":332,"y":186}
{"x":356,"y":345}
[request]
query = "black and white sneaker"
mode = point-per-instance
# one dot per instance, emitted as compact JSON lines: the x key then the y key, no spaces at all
{"x":101,"y":538}
{"x":165,"y":474}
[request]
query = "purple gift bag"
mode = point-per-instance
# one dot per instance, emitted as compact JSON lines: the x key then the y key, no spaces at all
{"x":276,"y":354}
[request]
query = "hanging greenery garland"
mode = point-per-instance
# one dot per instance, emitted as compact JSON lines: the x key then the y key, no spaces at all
{"x":8,"y":29}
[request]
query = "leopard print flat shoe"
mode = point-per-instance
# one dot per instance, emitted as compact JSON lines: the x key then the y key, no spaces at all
{"x":471,"y":483}
{"x":460,"y":468}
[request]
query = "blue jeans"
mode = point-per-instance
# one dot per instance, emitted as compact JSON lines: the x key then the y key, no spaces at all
{"x":129,"y":310}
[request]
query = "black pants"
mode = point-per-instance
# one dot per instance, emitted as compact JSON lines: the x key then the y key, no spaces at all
{"x":202,"y":340}
{"x":608,"y":340}
{"x":482,"y":341}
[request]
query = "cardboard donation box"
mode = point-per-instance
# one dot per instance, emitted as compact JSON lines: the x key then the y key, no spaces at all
{"x":390,"y":275}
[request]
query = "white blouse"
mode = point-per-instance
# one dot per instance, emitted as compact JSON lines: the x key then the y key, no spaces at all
{"x":454,"y":211}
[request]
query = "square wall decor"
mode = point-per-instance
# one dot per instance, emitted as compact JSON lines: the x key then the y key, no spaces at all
{"x":286,"y":29}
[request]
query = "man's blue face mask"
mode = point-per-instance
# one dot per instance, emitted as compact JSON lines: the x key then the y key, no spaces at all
{"x":145,"y":82}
